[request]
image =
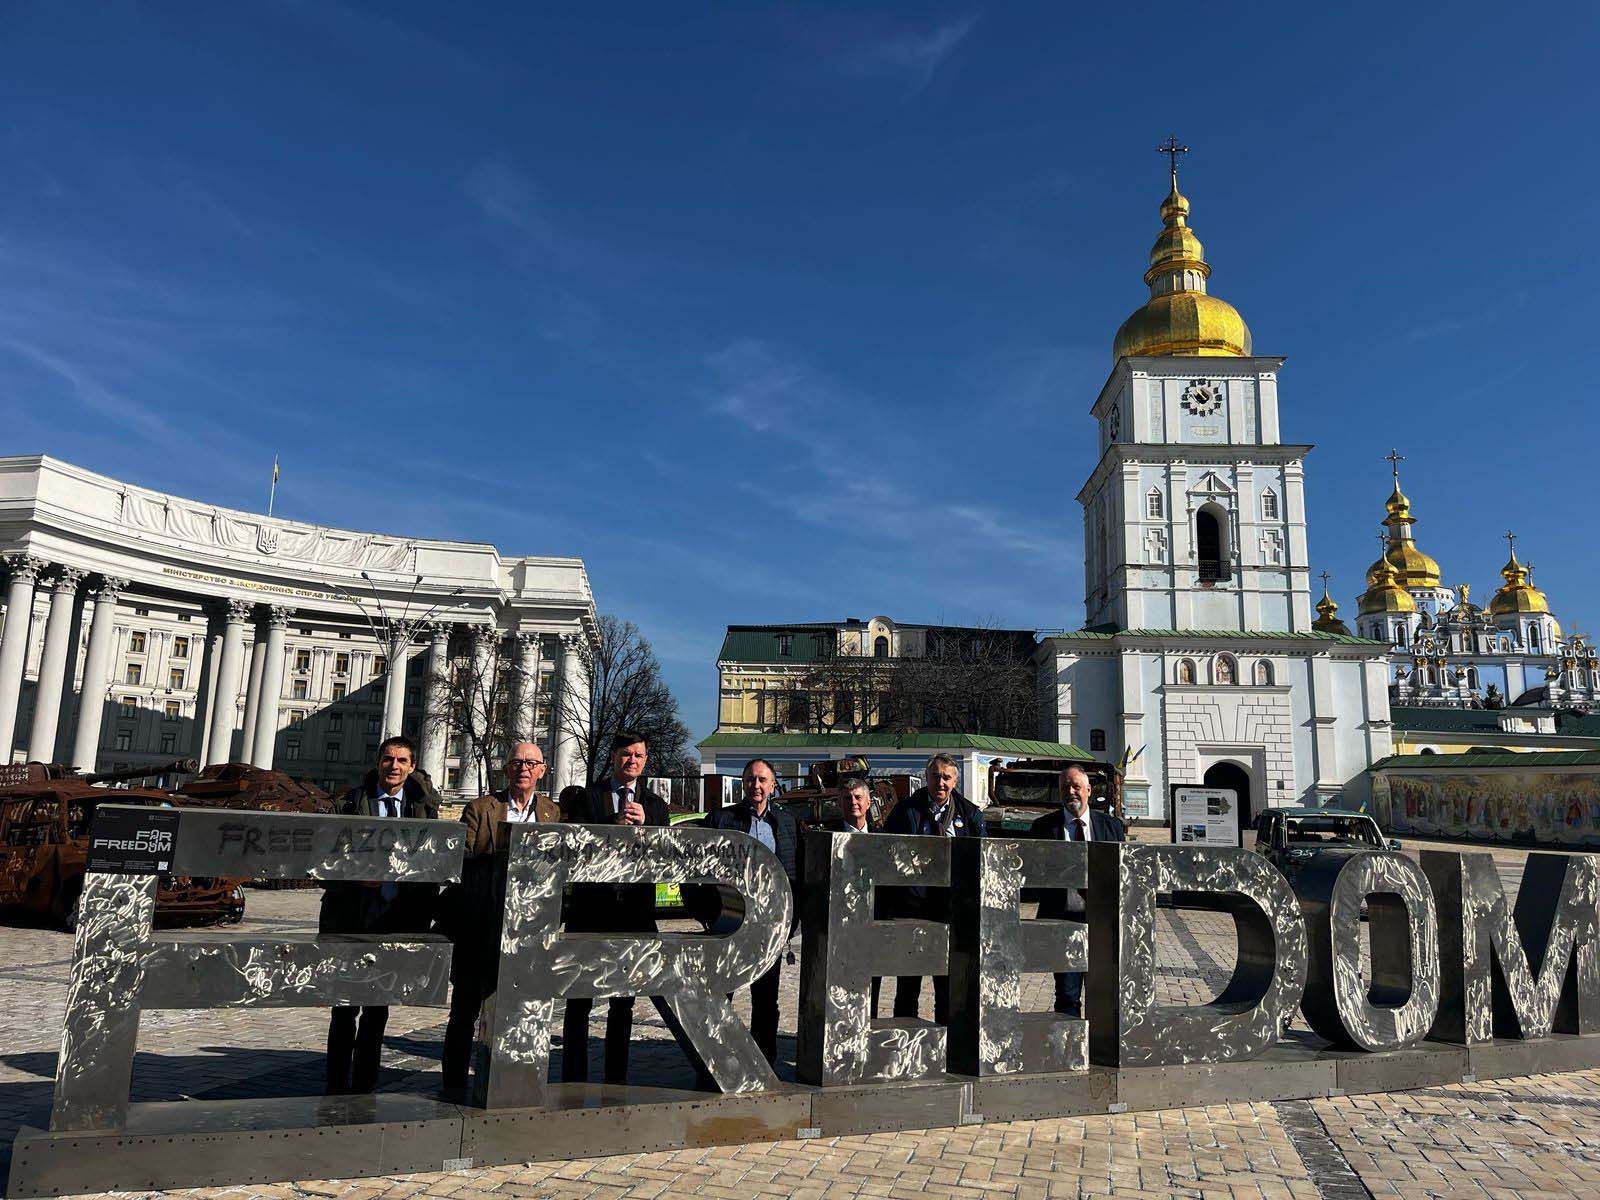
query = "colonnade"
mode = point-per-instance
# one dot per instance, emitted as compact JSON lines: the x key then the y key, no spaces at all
{"x":225,"y":671}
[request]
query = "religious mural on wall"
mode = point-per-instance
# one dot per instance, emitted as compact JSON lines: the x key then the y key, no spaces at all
{"x":1550,"y":808}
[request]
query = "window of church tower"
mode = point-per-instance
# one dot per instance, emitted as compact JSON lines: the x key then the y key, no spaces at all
{"x":1263,"y":674}
{"x":1269,"y":505}
{"x":1472,"y":677}
{"x":1154,"y":506}
{"x":1211,"y":543}
{"x":1097,"y":739}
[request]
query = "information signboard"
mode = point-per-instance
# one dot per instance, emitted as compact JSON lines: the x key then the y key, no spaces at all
{"x":1205,"y":816}
{"x":132,"y":841}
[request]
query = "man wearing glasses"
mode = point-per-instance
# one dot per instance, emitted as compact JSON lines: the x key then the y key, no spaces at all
{"x":474,"y":966}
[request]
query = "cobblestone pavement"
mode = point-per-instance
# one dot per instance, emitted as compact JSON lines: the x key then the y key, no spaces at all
{"x":1531,"y":1137}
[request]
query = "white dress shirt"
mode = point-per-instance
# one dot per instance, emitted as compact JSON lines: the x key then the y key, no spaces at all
{"x":1067,"y":831}
{"x":523,"y":815}
{"x":392,"y":804}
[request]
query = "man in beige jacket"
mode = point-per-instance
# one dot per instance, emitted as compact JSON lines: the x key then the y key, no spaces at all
{"x":473,"y":966}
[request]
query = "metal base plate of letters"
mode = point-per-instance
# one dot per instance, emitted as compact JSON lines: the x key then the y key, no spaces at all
{"x":188,"y":1143}
{"x":198,"y":1144}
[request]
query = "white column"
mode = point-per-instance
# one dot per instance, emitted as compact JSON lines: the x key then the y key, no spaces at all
{"x":53,"y":666}
{"x":435,"y":724}
{"x":394,"y":688}
{"x":205,"y":701}
{"x":252,"y":695}
{"x":527,"y":692}
{"x":96,"y":674}
{"x":571,"y":713}
{"x":225,"y":701}
{"x":271,"y":689}
{"x":14,"y":646}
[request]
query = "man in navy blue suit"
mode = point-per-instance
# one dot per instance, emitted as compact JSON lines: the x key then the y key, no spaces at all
{"x":1075,"y":822}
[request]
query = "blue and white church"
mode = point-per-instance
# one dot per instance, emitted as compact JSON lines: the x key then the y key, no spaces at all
{"x":1200,"y":661}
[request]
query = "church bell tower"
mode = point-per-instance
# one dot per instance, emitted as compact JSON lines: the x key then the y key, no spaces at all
{"x":1194,"y":517}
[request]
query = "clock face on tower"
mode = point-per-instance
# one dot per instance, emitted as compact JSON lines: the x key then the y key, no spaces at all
{"x":1202,"y":397}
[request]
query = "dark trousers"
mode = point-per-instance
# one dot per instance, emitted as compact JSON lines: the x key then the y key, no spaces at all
{"x":1069,"y":992}
{"x":353,"y":1048}
{"x":575,"y":1039}
{"x":1069,"y":984}
{"x":908,"y":994}
{"x":466,"y":999}
{"x":764,"y":1010}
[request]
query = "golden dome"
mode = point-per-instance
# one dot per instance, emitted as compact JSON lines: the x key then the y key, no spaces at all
{"x":1180,"y":317}
{"x":1328,"y":613}
{"x":1518,"y":595}
{"x":1386,"y":595}
{"x":1412,"y":567}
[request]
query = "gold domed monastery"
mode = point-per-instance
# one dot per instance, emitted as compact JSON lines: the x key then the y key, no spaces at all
{"x":1447,"y":651}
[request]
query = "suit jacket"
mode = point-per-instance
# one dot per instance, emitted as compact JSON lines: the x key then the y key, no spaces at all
{"x":785,"y":835}
{"x":613,"y":907}
{"x":350,"y":907}
{"x":482,"y":818}
{"x":915,"y":815}
{"x":1103,"y":827}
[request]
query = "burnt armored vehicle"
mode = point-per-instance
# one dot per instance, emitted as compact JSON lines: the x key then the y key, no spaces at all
{"x":238,"y":785}
{"x":45,"y":814}
{"x":1025,"y":789}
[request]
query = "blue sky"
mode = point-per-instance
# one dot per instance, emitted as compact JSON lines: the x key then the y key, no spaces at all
{"x":784,"y":312}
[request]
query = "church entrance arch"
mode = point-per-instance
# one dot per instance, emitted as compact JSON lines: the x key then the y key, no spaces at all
{"x":1231,"y":775}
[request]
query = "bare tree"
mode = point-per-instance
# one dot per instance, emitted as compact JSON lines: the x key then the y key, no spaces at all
{"x":625,"y":691}
{"x":967,"y":681}
{"x":474,"y":706}
{"x":845,"y":693}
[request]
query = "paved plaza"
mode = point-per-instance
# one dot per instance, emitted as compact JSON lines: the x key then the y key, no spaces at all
{"x":1538,"y":1136}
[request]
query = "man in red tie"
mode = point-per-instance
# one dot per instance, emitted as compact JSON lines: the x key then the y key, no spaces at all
{"x":1074,"y":822}
{"x":621,"y":798}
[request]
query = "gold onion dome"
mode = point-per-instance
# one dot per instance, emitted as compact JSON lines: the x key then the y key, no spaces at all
{"x":1328,"y":614}
{"x":1386,"y":595}
{"x":1412,"y":567}
{"x":1180,"y":317}
{"x":1518,"y":595}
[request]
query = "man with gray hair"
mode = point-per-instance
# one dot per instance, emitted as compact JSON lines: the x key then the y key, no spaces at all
{"x":937,"y":809}
{"x":1075,"y":821}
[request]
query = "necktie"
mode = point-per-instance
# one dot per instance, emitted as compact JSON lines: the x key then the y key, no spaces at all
{"x":622,"y":802}
{"x":1077,"y":829}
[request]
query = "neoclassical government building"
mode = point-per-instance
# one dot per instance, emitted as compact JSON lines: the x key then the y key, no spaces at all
{"x":141,"y":626}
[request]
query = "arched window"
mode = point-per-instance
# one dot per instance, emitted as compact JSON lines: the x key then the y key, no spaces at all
{"x":1269,"y":505}
{"x":1263,"y":673}
{"x":1186,"y":671}
{"x":880,"y":647}
{"x":1225,"y":670}
{"x":1472,"y":677}
{"x":1154,"y":506}
{"x":1211,"y":542}
{"x":1533,"y":639}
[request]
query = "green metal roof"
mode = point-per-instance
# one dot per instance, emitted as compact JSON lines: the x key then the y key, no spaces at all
{"x":1100,"y":633}
{"x":1487,"y":720}
{"x":1019,"y":747}
{"x":1534,"y":760}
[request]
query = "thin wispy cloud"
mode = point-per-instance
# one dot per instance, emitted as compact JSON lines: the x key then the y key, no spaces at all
{"x":764,"y":390}
{"x":907,"y":54}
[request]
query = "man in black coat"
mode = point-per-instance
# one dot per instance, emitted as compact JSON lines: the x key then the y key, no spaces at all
{"x":619,"y":799}
{"x":938,"y":810}
{"x":779,"y":832}
{"x":388,"y":792}
{"x":1075,"y":822}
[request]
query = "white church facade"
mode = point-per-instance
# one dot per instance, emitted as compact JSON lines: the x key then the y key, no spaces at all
{"x":1201,"y":661}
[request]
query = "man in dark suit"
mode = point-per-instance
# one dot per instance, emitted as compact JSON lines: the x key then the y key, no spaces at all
{"x":478,"y":903}
{"x":1074,"y":822}
{"x":619,"y":799}
{"x":938,"y":809}
{"x":362,"y":907}
{"x":779,"y":832}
